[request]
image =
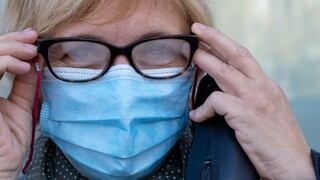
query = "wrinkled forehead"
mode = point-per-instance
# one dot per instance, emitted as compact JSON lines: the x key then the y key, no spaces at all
{"x":141,"y":18}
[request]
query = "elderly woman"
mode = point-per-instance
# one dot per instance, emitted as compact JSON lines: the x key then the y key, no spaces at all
{"x":116,"y":80}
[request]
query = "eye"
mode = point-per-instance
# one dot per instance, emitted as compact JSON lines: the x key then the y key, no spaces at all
{"x":153,"y":50}
{"x":79,"y":53}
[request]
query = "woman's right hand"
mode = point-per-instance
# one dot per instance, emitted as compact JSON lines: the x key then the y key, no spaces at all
{"x":16,"y":50}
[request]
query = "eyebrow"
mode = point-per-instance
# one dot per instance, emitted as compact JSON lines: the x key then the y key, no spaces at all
{"x":101,"y":38}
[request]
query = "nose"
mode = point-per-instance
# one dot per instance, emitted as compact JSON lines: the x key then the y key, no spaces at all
{"x":120,"y":59}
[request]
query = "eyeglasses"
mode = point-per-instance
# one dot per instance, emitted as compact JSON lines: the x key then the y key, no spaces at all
{"x":174,"y":51}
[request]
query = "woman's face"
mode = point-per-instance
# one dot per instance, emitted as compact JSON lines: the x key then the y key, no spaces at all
{"x":149,"y":19}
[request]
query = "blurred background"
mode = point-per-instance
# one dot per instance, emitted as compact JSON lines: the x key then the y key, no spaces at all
{"x":284,"y":37}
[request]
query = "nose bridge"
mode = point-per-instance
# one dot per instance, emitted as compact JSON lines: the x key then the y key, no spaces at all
{"x":120,"y":56}
{"x":120,"y":59}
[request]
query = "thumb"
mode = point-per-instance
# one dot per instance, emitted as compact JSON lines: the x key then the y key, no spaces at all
{"x":217,"y":103}
{"x":205,"y":111}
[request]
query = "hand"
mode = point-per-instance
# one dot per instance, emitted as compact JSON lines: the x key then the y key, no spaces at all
{"x":16,"y":50}
{"x":253,"y":106}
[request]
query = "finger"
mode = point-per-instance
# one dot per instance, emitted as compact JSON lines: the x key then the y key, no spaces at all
{"x":228,"y":78}
{"x":13,"y":65}
{"x":203,"y":112}
{"x":233,"y":53}
{"x":217,"y":103}
{"x":18,"y":50}
{"x":211,"y":50}
{"x":28,"y":36}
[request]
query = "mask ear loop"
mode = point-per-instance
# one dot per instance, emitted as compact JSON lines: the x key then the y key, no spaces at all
{"x":35,"y":116}
{"x":194,"y":88}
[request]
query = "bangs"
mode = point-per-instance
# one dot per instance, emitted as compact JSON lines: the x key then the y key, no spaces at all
{"x":120,"y":9}
{"x":71,"y":11}
{"x":45,"y":16}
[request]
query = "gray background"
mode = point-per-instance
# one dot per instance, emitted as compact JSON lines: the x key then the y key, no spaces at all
{"x":284,"y":37}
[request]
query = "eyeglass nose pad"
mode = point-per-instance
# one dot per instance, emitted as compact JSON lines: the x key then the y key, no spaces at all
{"x":120,"y":59}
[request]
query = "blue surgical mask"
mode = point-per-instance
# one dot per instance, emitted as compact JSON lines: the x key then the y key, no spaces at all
{"x":120,"y":126}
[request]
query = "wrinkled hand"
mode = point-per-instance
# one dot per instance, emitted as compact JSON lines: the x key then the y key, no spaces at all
{"x":16,"y":111}
{"x":253,"y":106}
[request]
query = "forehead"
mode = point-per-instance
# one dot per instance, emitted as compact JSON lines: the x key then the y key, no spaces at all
{"x":146,"y":17}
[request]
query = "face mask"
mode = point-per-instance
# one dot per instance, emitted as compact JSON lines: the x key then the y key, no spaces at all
{"x":120,"y":126}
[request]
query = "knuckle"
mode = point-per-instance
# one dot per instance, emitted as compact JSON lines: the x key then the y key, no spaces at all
{"x":243,"y":52}
{"x":277,"y":92}
{"x":6,"y":59}
{"x":259,"y":103}
{"x":16,"y":49}
{"x":258,"y":97}
{"x":9,"y":36}
{"x":209,"y":102}
{"x":226,"y":68}
{"x":262,"y":102}
{"x":4,"y":37}
{"x":214,"y":31}
{"x":11,"y":47}
{"x":265,"y":96}
{"x":213,"y":97}
{"x":208,"y":107}
{"x":19,"y":46}
{"x":7,"y":46}
{"x":215,"y":93}
{"x":23,"y":50}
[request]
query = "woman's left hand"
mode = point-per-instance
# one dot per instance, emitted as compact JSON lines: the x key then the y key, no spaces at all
{"x":254,"y":107}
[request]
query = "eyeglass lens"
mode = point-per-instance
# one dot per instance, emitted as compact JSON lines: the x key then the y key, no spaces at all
{"x":149,"y":55}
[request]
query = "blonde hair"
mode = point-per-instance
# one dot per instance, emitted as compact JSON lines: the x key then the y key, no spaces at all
{"x":45,"y":16}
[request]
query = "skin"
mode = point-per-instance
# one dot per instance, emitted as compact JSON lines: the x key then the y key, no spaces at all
{"x":253,"y":105}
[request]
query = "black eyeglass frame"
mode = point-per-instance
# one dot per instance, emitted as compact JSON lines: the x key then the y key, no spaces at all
{"x":45,"y":43}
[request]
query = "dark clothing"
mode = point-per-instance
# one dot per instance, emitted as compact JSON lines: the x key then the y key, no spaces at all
{"x":216,"y":154}
{"x":316,"y":163}
{"x":220,"y":156}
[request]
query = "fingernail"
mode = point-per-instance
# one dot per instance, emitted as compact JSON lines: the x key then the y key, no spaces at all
{"x":28,"y":29}
{"x":31,"y":48}
{"x":25,"y":65}
{"x":191,"y":114}
{"x":29,"y":32}
{"x":199,"y":26}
